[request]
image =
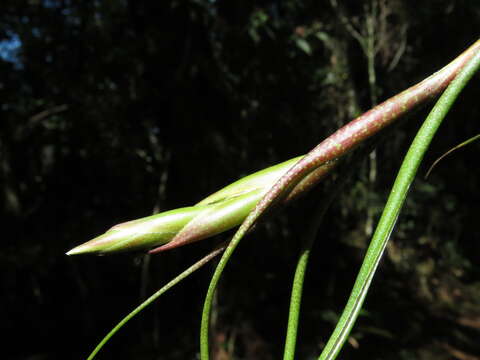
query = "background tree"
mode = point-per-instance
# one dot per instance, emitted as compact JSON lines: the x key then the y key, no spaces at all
{"x":112,"y":110}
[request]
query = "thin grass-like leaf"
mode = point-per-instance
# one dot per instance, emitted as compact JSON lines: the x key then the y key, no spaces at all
{"x":466,"y":142}
{"x":155,"y":296}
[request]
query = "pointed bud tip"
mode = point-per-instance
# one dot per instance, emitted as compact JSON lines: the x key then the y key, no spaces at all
{"x":95,"y":246}
{"x":81,"y":249}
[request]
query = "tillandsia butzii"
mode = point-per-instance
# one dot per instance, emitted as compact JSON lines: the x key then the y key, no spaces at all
{"x":230,"y":206}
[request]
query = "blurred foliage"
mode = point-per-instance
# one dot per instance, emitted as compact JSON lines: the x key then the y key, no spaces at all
{"x":111,"y":110}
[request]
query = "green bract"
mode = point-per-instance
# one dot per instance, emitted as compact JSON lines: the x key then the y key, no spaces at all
{"x":216,"y":213}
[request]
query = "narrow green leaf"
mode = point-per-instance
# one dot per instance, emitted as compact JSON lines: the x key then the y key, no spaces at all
{"x":155,"y":296}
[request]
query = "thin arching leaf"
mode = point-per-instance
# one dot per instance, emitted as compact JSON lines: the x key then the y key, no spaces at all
{"x":469,"y":141}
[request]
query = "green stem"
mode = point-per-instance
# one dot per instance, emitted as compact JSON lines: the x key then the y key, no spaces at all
{"x":152,"y":298}
{"x":298,"y":280}
{"x":207,"y":305}
{"x":302,"y":263}
{"x":394,"y":204}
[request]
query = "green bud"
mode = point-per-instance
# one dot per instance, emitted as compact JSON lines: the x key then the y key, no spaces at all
{"x":260,"y":180}
{"x":217,"y":213}
{"x":139,"y":234}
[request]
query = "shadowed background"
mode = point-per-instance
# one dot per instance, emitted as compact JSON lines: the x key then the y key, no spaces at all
{"x":113,"y":110}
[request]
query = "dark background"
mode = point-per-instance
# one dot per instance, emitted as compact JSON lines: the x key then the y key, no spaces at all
{"x":113,"y":110}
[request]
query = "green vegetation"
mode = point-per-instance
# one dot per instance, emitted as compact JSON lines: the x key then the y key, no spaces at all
{"x":113,"y":111}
